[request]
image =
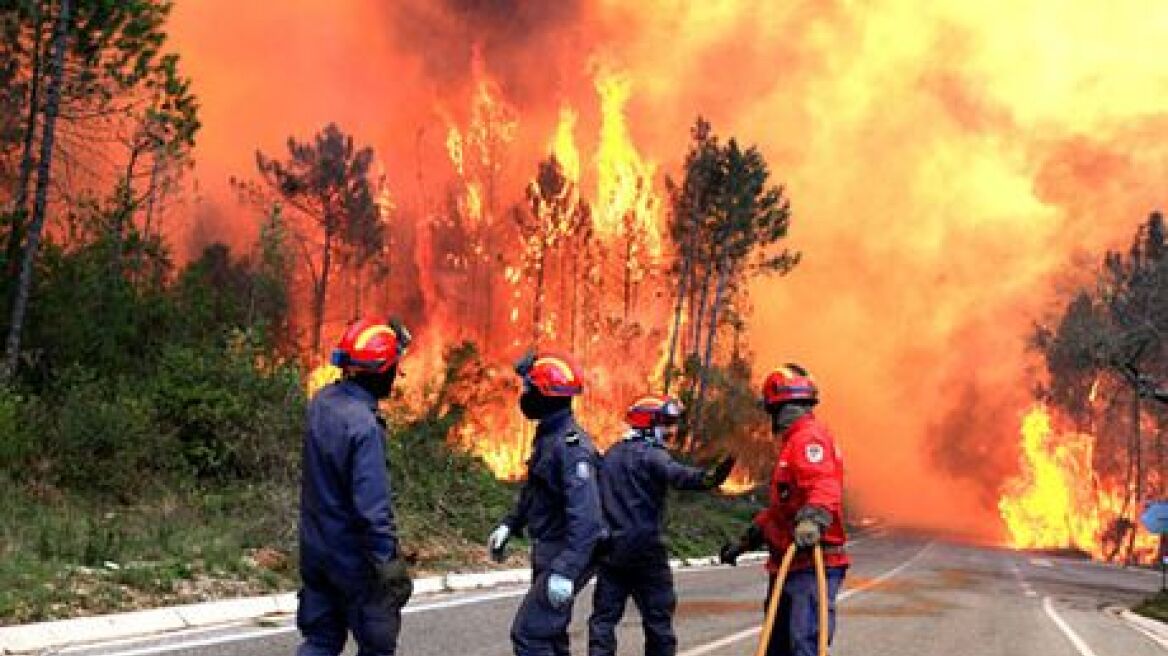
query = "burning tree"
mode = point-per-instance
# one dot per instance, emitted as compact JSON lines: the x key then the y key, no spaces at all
{"x":726,"y":222}
{"x":478,"y":153}
{"x":1108,"y":344}
{"x":328,"y":181}
{"x":554,"y":216}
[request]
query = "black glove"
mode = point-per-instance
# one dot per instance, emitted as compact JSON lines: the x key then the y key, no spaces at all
{"x":729,"y":553}
{"x":393,"y":582}
{"x":718,"y":475}
{"x":810,"y":523}
{"x":750,"y":540}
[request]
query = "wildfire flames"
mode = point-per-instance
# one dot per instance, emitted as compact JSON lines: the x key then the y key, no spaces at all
{"x":740,"y":482}
{"x":624,"y":229}
{"x":1057,"y":501}
{"x":925,"y":147}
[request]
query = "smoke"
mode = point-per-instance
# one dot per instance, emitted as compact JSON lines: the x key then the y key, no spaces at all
{"x":508,"y":33}
{"x":944,"y":161}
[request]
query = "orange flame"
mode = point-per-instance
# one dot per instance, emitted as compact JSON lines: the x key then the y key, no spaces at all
{"x":1057,"y":500}
{"x":625,"y":198}
{"x":740,"y":482}
{"x":564,"y":144}
{"x":501,"y":439}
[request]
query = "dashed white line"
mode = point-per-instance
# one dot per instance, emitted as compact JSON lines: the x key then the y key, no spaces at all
{"x":1081,"y":646}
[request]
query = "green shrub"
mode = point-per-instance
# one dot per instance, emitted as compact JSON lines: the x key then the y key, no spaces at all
{"x":232,"y":418}
{"x":100,"y":435}
{"x":16,"y":443}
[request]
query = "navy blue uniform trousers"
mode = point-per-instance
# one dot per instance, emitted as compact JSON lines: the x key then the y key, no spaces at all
{"x":651,"y":587}
{"x":330,"y":606}
{"x":541,"y":629}
{"x":796,"y":629}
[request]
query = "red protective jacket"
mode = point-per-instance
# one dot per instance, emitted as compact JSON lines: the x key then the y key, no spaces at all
{"x":809,"y":471}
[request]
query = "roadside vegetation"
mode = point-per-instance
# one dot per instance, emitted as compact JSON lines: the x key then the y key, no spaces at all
{"x":1155,"y":607}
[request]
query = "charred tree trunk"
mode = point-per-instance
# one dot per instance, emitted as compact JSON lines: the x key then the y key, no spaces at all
{"x":1121,"y":520}
{"x":1137,"y":457}
{"x":682,"y":280}
{"x":701,"y":324}
{"x":691,"y":304}
{"x":575,"y":298}
{"x":44,"y":171}
{"x":1160,"y":462}
{"x":537,"y":310}
{"x":684,"y":287}
{"x":489,"y":261}
{"x":703,"y":301}
{"x":123,"y":215}
{"x":318,"y":302}
{"x":16,"y":236}
{"x":357,"y":269}
{"x":712,"y":334}
{"x":627,"y":286}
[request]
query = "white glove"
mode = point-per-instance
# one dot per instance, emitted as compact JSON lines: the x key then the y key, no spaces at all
{"x":559,"y":590}
{"x":497,"y":543}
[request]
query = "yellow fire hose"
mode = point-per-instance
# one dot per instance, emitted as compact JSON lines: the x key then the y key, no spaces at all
{"x":768,"y":624}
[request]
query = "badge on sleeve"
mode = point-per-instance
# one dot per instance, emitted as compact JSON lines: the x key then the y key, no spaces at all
{"x":583,"y":471}
{"x":814,"y":453}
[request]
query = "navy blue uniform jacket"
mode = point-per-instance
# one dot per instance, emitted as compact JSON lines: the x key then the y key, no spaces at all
{"x":636,"y":475}
{"x":560,"y":503}
{"x":346,"y":516}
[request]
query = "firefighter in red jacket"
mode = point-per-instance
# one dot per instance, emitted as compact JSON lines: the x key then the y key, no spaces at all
{"x":806,"y":509}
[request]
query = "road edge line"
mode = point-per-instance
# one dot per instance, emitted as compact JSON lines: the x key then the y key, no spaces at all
{"x":1155,"y":630}
{"x":1082,"y":647}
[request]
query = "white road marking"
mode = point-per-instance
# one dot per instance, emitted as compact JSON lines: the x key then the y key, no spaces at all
{"x":264,"y":633}
{"x":843,"y":596}
{"x":410,"y":609}
{"x":1150,"y":635}
{"x":178,"y":633}
{"x":208,"y":642}
{"x":1081,"y":646}
{"x":1041,"y":562}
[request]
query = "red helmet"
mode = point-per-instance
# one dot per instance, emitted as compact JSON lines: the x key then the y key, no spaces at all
{"x":654,"y":410}
{"x":551,"y":374}
{"x":789,"y":382}
{"x":370,"y":345}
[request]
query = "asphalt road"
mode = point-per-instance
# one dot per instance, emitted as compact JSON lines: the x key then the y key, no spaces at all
{"x":904,"y":596}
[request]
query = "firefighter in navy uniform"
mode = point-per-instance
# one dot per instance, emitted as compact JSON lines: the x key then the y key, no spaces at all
{"x":559,"y":506}
{"x":806,"y":508}
{"x":638,"y":471}
{"x":353,"y":575}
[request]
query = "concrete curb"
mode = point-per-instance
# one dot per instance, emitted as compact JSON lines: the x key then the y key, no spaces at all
{"x":30,"y":638}
{"x":1154,"y":629}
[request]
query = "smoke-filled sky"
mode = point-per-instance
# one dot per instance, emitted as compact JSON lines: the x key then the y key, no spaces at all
{"x":944,"y":161}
